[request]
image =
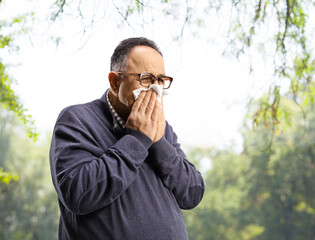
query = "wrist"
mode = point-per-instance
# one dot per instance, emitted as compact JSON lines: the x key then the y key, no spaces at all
{"x":144,"y":139}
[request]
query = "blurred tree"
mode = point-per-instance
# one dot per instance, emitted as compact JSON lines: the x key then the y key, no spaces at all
{"x":29,"y":208}
{"x":281,"y":196}
{"x":8,"y":98}
{"x":220,"y":214}
{"x":5,"y":128}
{"x":261,"y":194}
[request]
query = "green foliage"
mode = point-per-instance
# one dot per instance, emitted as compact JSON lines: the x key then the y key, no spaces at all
{"x":8,"y":98}
{"x":261,"y":194}
{"x":268,"y":109}
{"x":282,"y":180}
{"x":12,"y":102}
{"x":286,"y":21}
{"x":4,"y":41}
{"x":29,"y":206}
{"x":6,"y":177}
{"x":309,"y":96}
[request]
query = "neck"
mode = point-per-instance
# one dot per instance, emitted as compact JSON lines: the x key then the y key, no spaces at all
{"x":121,"y":109}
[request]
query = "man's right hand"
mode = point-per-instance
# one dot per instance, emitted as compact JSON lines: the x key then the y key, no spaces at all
{"x":145,"y":113}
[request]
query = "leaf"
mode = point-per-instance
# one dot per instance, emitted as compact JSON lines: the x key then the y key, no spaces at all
{"x":6,"y":177}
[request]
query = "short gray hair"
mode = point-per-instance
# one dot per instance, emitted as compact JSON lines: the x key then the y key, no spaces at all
{"x":118,"y":61}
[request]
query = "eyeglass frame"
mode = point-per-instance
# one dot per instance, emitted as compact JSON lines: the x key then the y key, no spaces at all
{"x":158,"y":79}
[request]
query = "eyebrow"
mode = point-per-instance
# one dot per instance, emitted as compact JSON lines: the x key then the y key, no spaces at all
{"x":157,"y":75}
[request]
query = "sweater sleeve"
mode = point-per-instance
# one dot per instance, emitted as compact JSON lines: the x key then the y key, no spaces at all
{"x":85,"y":176}
{"x":176,"y":172}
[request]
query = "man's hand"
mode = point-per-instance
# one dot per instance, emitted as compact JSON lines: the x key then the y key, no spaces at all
{"x":147,"y":116}
{"x":161,"y":124}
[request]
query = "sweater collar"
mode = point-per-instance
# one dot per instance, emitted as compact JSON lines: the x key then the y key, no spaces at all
{"x":118,"y":122}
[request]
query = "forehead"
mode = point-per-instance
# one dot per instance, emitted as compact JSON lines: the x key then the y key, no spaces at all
{"x":143,"y":59}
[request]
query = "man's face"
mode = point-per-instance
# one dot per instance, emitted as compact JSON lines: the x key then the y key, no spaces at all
{"x":142,"y":59}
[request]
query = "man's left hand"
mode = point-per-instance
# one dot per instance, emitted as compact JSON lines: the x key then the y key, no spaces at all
{"x":161,"y":124}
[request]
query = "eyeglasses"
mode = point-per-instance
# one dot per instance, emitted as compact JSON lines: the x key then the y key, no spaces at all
{"x":146,"y":79}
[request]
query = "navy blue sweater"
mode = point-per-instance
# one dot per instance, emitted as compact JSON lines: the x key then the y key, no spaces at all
{"x":115,"y":184}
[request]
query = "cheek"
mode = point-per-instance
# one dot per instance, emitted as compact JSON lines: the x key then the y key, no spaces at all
{"x":126,"y":95}
{"x":126,"y":98}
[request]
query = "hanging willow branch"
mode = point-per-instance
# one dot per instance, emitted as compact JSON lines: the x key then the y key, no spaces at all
{"x":293,"y":59}
{"x":60,"y":4}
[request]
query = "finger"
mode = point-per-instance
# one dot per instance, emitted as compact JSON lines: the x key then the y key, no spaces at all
{"x":138,"y":102}
{"x":146,"y":99}
{"x":151,"y":103}
{"x":156,"y":111}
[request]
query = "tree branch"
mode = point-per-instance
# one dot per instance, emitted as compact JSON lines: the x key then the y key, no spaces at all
{"x":186,"y":18}
{"x":286,"y":27}
{"x":125,"y":17}
{"x":60,"y":4}
{"x":258,"y":10}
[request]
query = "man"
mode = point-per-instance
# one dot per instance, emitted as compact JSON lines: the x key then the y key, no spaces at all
{"x":115,"y":162}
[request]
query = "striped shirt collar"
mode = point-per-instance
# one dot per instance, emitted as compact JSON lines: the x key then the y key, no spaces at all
{"x":119,"y":120}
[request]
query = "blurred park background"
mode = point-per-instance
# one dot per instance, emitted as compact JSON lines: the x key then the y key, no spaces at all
{"x":242,"y":105}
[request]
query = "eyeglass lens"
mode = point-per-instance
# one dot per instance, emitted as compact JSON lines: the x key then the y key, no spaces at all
{"x":146,"y":80}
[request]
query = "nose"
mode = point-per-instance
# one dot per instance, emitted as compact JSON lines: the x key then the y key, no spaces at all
{"x":155,"y":80}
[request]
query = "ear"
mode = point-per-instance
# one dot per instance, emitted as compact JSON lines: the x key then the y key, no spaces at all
{"x":114,"y":81}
